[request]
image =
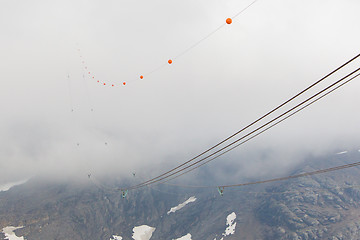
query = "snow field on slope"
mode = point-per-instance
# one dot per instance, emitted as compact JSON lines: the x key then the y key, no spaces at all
{"x":6,"y":186}
{"x":9,"y":233}
{"x":181,"y":205}
{"x":143,"y":232}
{"x":114,"y":237}
{"x":230,"y":222}
{"x":186,"y":237}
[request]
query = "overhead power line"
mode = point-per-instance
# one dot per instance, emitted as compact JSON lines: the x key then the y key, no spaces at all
{"x":252,"y":132}
{"x":296,"y":176}
{"x":283,"y":119}
{"x":195,"y":44}
{"x":175,"y":170}
{"x":326,"y":170}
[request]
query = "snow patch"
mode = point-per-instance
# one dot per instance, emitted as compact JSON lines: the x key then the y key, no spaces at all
{"x":143,"y":232}
{"x":6,"y":186}
{"x":114,"y":237}
{"x":186,"y":237}
{"x":9,"y":233}
{"x":343,"y":152}
{"x":231,"y":225}
{"x":181,"y":205}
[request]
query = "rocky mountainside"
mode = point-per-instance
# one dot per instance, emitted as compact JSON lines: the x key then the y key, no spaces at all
{"x":324,"y":206}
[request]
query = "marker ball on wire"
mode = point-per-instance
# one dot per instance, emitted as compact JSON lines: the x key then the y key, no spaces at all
{"x":124,"y":83}
{"x":229,"y":21}
{"x":170,"y":61}
{"x":141,"y":77}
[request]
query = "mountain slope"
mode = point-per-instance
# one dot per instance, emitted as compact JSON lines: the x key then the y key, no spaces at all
{"x":324,"y":206}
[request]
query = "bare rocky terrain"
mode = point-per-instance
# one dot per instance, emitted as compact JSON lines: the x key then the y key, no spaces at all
{"x":324,"y":206}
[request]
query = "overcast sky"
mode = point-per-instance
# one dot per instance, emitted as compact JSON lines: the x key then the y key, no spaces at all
{"x":269,"y":53}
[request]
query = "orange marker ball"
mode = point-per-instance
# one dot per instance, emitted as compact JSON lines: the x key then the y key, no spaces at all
{"x":229,"y":21}
{"x":124,"y":83}
{"x":141,"y":77}
{"x":104,"y":83}
{"x":112,"y":85}
{"x":170,"y":61}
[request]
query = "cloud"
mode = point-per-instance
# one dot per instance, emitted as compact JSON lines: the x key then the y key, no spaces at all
{"x":269,"y":53}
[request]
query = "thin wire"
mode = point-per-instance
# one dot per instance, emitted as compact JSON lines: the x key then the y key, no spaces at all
{"x":288,"y":177}
{"x":274,"y":179}
{"x":296,"y":176}
{"x":248,"y":135}
{"x":161,"y":191}
{"x":269,"y":122}
{"x":278,"y":179}
{"x":155,"y":70}
{"x":257,"y":134}
{"x":254,"y":122}
{"x":200,"y":41}
{"x":101,"y":186}
{"x":305,"y":190}
{"x":271,"y":193}
{"x":211,"y":33}
{"x":243,"y":10}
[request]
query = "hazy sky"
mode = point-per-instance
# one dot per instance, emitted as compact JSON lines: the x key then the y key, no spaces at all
{"x":270,"y":52}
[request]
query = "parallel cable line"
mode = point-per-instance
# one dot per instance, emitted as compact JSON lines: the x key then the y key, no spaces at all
{"x":243,"y":10}
{"x":296,"y":176}
{"x":332,"y":169}
{"x":283,"y":119}
{"x":247,"y":135}
{"x":251,"y":124}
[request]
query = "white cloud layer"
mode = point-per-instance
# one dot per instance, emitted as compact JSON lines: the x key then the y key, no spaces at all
{"x":268,"y":54}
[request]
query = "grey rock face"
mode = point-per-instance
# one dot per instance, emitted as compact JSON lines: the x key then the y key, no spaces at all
{"x":324,"y":206}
